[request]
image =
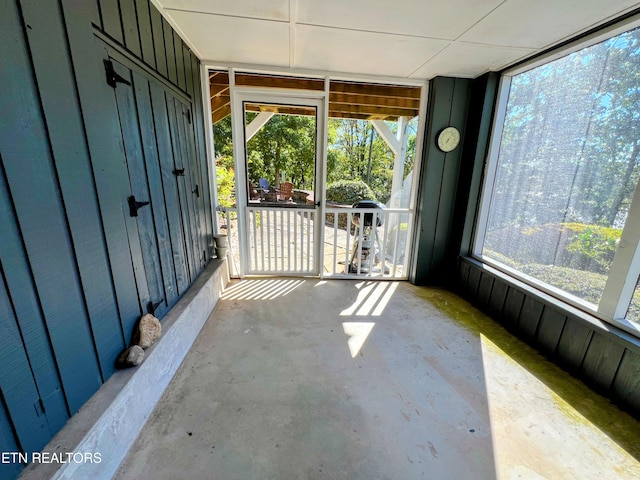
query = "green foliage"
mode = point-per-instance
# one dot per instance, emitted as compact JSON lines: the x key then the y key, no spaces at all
{"x":570,"y":148}
{"x":348,"y":192}
{"x":284,"y":147}
{"x":222,"y":140}
{"x":359,"y":153}
{"x":594,"y":242}
{"x":587,"y":286}
{"x":574,"y":257}
{"x":225,"y":180}
{"x":581,"y":246}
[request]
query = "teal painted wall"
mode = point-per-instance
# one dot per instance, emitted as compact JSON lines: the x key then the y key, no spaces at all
{"x":439,"y":193}
{"x":76,"y":269}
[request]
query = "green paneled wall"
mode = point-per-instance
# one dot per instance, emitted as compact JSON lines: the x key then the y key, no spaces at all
{"x":76,"y":269}
{"x":438,"y":191}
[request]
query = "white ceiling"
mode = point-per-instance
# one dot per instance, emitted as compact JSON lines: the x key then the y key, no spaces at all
{"x":416,"y":39}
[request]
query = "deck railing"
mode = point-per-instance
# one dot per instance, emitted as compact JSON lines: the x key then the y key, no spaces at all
{"x":381,"y":251}
{"x":281,"y":241}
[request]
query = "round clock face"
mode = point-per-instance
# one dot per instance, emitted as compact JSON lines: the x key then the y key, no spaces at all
{"x":448,"y":139}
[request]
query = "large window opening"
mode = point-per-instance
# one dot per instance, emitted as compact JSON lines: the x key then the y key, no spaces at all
{"x":558,"y":204}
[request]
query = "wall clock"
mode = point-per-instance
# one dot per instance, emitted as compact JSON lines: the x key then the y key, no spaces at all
{"x":448,"y":139}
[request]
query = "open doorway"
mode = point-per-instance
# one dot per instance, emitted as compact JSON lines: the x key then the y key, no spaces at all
{"x":371,"y":143}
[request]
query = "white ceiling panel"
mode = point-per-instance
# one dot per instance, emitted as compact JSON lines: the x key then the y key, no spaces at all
{"x":402,"y":38}
{"x":266,"y":9}
{"x":433,"y":19}
{"x":523,"y":23}
{"x":362,"y":52}
{"x":232,"y":39}
{"x":470,"y":60}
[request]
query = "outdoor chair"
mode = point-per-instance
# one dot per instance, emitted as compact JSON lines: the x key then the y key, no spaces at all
{"x":253,"y":194}
{"x":286,"y":188}
{"x":264,"y":186}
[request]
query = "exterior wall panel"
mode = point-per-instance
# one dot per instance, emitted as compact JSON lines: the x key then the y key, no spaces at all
{"x":75,"y":267}
{"x":606,"y":359}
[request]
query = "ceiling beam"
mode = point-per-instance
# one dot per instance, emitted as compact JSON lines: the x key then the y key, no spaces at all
{"x":219,"y":102}
{"x":366,"y":109}
{"x":377,"y":101}
{"x":221,"y":113}
{"x":280,"y":109}
{"x":271,"y":81}
{"x":215,"y":89}
{"x":372,"y":89}
{"x":219,"y":77}
{"x":361,"y":116}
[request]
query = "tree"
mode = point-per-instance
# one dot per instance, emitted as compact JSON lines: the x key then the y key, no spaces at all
{"x":284,"y":147}
{"x":360,"y":154}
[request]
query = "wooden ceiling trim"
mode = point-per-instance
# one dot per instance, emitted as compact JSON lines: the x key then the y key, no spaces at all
{"x":280,"y":109}
{"x":374,"y":101}
{"x":221,"y":113}
{"x":219,"y":101}
{"x":219,"y":77}
{"x":371,"y":110}
{"x":274,"y":81}
{"x":375,"y":89}
{"x":355,"y":100}
{"x":215,"y":89}
{"x":360,"y":116}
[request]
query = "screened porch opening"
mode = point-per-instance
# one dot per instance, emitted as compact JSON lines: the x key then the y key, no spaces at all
{"x":371,"y":134}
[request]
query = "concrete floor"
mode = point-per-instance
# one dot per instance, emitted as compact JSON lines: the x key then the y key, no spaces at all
{"x":308,"y":379}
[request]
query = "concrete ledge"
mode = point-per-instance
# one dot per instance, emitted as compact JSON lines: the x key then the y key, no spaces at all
{"x":110,"y":421}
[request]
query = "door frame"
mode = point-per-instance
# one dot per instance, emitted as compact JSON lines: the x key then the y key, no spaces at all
{"x":317,"y":99}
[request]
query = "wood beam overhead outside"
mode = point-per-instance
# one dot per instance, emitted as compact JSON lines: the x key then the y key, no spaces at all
{"x":370,"y":110}
{"x":362,"y":101}
{"x":276,"y":81}
{"x":221,"y":113}
{"x":216,"y":89}
{"x":282,"y":110}
{"x":378,"y":101}
{"x":375,"y":89}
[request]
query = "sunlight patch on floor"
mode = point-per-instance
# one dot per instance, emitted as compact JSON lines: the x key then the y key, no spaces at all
{"x":261,"y":289}
{"x":372,"y":299}
{"x":358,"y":332}
{"x":536,"y":434}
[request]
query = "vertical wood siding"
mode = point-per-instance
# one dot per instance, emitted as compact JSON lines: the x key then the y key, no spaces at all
{"x":608,"y":361}
{"x":76,"y":269}
{"x":448,"y":100}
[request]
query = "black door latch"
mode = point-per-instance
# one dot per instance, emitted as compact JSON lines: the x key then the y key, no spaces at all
{"x":134,"y":206}
{"x":112,"y":76}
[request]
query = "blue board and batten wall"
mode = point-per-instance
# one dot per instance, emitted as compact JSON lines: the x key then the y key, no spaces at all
{"x":102,"y":113}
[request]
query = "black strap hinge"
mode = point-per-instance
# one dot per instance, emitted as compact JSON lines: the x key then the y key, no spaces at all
{"x":179,"y":172}
{"x":134,"y":206}
{"x":112,"y":76}
{"x":151,"y":306}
